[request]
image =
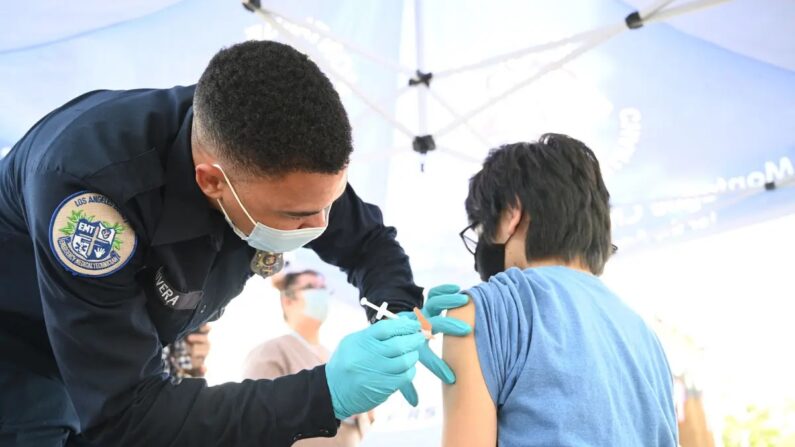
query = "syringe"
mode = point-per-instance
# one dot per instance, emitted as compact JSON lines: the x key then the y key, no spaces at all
{"x":382,"y":311}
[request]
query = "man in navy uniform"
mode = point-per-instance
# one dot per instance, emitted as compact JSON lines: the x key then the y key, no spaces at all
{"x":130,"y":218}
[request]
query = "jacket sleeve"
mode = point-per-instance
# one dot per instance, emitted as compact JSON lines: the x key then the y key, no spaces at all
{"x":109,"y":354}
{"x":357,"y":241}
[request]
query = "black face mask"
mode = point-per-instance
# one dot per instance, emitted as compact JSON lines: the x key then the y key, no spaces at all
{"x":489,"y":259}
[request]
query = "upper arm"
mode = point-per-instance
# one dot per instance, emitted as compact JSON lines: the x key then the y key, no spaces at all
{"x":470,"y":416}
{"x":95,"y":314}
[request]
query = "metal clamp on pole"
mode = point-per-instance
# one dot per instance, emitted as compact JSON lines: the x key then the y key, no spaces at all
{"x":421,"y":78}
{"x":424,"y":144}
{"x":252,"y":5}
{"x":634,"y":20}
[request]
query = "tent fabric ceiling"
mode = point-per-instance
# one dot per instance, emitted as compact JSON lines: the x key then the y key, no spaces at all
{"x":760,"y":29}
{"x":28,"y":24}
{"x":673,"y":109}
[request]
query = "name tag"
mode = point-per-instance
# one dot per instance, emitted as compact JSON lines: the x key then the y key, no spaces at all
{"x":172,"y":297}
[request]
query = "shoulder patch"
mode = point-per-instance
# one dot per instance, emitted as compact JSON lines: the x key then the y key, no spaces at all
{"x":89,"y":236}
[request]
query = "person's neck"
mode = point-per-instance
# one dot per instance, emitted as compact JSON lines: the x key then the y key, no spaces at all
{"x":310,"y":332}
{"x":575,"y":264}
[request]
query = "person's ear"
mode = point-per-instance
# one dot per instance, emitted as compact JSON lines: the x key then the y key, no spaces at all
{"x":288,"y":301}
{"x":509,"y":222}
{"x":287,"y":305}
{"x":210,"y":180}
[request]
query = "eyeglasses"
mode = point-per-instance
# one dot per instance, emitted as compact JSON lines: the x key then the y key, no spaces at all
{"x":470,"y":238}
{"x":291,"y":291}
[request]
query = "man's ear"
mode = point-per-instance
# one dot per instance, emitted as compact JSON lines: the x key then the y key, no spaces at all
{"x":210,"y":180}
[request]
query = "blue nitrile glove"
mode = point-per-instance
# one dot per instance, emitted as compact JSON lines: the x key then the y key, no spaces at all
{"x":369,"y":365}
{"x":440,"y":298}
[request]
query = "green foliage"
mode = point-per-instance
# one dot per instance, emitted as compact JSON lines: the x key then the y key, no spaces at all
{"x":761,"y":427}
{"x":119,"y":230}
{"x":76,"y":215}
{"x":72,"y":220}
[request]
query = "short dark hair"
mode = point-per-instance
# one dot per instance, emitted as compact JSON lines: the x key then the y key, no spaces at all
{"x":283,"y":282}
{"x":558,"y":183}
{"x":268,"y":109}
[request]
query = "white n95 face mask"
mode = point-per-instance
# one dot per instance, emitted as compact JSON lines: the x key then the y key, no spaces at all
{"x":265,"y":238}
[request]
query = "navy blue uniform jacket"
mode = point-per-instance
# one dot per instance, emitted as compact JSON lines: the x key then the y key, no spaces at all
{"x":110,"y":251}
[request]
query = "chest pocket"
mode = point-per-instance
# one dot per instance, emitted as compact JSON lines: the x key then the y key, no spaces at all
{"x":189,"y":283}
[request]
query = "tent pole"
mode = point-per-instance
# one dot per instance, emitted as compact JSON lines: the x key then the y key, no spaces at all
{"x":656,"y":12}
{"x":668,"y":13}
{"x":351,"y":46}
{"x":606,"y":35}
{"x":319,"y":59}
{"x":422,"y":93}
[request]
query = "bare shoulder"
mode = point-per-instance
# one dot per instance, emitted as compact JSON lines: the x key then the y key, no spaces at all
{"x":470,"y":417}
{"x":465,"y":313}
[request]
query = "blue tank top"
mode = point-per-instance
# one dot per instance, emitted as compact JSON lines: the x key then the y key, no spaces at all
{"x":567,"y":363}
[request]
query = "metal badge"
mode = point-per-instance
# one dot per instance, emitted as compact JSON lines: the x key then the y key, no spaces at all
{"x":265,"y":263}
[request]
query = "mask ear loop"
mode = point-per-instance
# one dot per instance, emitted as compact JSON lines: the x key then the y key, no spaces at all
{"x":234,"y":193}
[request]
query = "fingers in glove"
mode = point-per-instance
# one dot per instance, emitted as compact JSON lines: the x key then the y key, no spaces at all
{"x":386,"y":329}
{"x":399,"y":345}
{"x":410,"y":394}
{"x":444,"y":289}
{"x":436,"y":365}
{"x":399,"y":365}
{"x":434,"y":306}
{"x":450,"y":326}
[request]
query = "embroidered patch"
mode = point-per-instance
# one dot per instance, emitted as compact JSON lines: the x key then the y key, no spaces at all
{"x":89,"y":236}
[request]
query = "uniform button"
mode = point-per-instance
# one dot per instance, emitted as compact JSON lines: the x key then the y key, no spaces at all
{"x":203,"y":308}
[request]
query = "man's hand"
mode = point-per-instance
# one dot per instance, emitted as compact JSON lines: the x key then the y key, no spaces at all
{"x":440,"y":298}
{"x":370,"y":365}
{"x":199,"y":348}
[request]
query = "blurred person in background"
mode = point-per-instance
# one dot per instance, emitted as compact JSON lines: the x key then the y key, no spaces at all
{"x":305,"y":302}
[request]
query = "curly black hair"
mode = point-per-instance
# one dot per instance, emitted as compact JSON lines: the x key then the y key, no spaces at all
{"x":558,"y":183}
{"x":267,"y":109}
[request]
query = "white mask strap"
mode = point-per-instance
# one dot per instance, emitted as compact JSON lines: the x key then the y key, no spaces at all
{"x":234,"y":193}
